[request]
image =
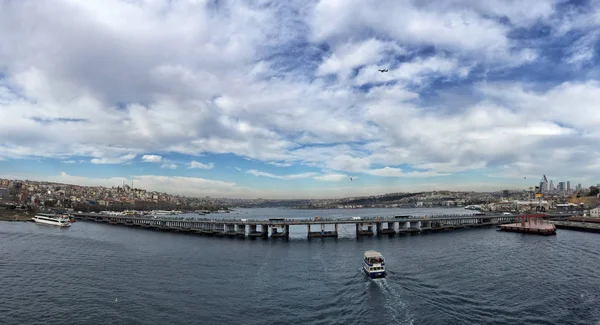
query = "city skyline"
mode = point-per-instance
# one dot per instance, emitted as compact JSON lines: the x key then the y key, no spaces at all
{"x":287,"y":101}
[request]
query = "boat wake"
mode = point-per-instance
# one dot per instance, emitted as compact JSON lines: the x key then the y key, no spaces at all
{"x":393,"y":301}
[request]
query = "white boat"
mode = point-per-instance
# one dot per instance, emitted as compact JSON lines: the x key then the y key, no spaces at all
{"x":374,"y":264}
{"x":164,"y":212}
{"x":52,"y":219}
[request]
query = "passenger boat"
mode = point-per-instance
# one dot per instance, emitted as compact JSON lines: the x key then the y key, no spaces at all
{"x":374,"y":264}
{"x":52,"y":219}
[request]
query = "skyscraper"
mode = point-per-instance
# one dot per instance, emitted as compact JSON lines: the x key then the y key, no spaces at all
{"x":568,"y":186}
{"x":544,"y":185}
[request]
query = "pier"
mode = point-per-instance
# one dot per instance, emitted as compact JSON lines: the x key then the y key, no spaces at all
{"x":578,"y":224}
{"x":316,"y":227}
{"x":531,"y":224}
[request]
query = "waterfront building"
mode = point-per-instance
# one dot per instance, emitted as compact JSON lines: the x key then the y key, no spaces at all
{"x":4,"y":194}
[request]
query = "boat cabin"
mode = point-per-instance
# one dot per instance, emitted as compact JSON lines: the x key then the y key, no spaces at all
{"x":373,"y":257}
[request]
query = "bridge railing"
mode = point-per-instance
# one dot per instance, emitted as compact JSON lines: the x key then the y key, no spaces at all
{"x":297,"y":219}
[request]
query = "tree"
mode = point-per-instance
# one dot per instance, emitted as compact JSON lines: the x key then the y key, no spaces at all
{"x":593,"y":191}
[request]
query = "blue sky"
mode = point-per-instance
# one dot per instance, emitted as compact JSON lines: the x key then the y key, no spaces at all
{"x":285,"y":100}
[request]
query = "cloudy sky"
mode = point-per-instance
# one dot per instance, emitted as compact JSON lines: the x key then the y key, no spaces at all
{"x":284,"y":98}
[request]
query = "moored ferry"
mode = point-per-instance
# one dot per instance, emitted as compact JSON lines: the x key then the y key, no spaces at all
{"x":52,"y":219}
{"x":374,"y":264}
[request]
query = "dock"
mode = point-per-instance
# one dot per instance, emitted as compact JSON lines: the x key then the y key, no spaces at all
{"x":315,"y":227}
{"x":531,"y":224}
{"x":579,"y":225}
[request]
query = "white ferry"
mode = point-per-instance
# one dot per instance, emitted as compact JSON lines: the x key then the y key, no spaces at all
{"x":374,"y":265}
{"x":165,"y":212}
{"x":52,"y":219}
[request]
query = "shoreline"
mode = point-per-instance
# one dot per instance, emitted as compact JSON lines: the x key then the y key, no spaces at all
{"x":16,"y":218}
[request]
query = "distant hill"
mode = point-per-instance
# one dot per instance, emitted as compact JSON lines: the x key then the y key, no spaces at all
{"x":386,"y":198}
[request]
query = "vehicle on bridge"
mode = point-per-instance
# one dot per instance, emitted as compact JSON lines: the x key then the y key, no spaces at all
{"x":374,"y":264}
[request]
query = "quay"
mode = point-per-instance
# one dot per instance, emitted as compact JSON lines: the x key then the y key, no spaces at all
{"x":578,"y":224}
{"x":14,"y":215}
{"x":16,"y":218}
{"x":316,"y":227}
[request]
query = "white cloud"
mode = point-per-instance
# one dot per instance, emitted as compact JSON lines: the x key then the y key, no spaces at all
{"x":349,"y":56}
{"x":415,"y":71}
{"x":280,"y":164}
{"x":169,"y":165}
{"x":299,"y":86}
{"x":67,"y":161}
{"x":397,"y":172}
{"x":284,"y":177}
{"x":333,"y":177}
{"x":190,"y":186}
{"x":151,"y":158}
{"x":446,"y":25}
{"x":199,"y":165}
{"x":115,"y":160}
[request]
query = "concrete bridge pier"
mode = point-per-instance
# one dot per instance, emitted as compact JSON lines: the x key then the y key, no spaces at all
{"x":361,"y":231}
{"x":264,"y":231}
{"x":410,"y":227}
{"x":425,"y":225}
{"x":209,"y":229}
{"x":252,"y":231}
{"x":230,"y":229}
{"x":323,"y":232}
{"x":403,"y":227}
{"x":390,"y":228}
{"x":282,"y":231}
{"x":240,"y":230}
{"x":219,"y":229}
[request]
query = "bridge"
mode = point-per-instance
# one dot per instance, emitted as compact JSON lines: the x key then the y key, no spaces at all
{"x":316,"y":227}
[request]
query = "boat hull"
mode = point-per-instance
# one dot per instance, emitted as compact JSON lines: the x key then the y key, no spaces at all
{"x":375,"y":274}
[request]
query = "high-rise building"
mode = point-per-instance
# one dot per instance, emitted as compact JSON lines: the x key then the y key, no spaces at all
{"x":578,"y":187}
{"x":568,"y":186}
{"x":561,"y":186}
{"x":551,"y":187}
{"x":544,"y":184}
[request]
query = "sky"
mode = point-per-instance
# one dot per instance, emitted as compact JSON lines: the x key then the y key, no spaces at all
{"x":283,"y":99}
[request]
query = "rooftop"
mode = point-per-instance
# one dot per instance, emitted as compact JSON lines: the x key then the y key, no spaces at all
{"x":370,"y":254}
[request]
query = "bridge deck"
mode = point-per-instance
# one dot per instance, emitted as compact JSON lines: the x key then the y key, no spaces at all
{"x":280,"y":227}
{"x":300,"y":221}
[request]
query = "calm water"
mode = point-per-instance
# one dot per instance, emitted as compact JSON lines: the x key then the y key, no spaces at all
{"x":102,"y":274}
